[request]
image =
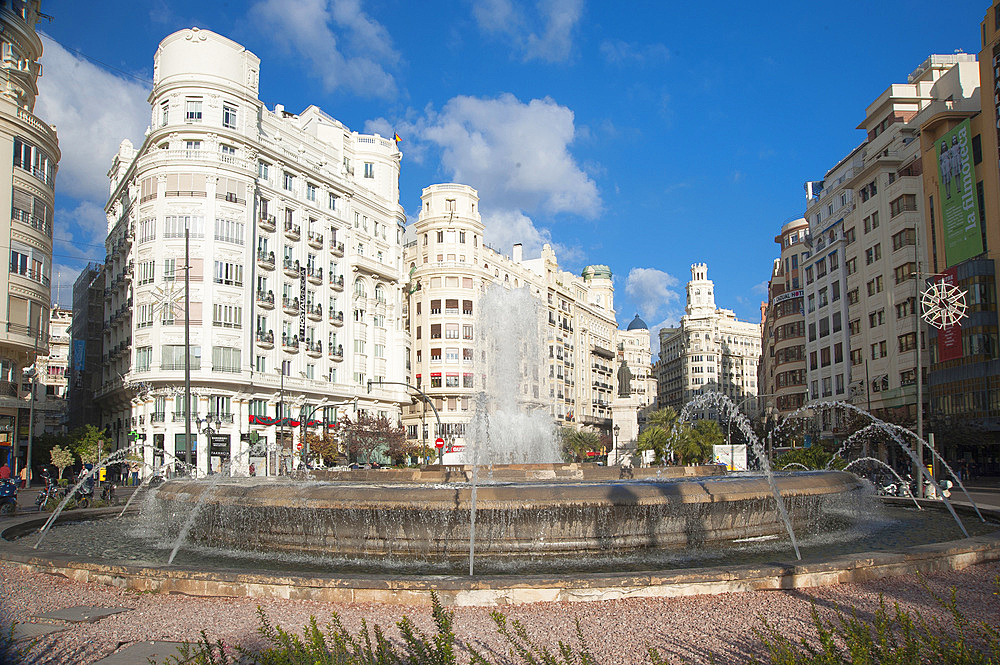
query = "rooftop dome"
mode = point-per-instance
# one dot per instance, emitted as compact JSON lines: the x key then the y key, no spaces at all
{"x":637,"y":324}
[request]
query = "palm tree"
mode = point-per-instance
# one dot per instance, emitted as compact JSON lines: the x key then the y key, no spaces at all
{"x":694,"y":444}
{"x":657,"y":439}
{"x":577,"y":443}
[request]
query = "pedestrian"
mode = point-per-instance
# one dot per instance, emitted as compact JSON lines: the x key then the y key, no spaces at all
{"x":4,"y":472}
{"x":25,"y":476}
{"x":253,"y":470}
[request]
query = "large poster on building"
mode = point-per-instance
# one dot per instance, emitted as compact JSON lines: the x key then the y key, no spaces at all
{"x":949,"y":338}
{"x":963,"y":237}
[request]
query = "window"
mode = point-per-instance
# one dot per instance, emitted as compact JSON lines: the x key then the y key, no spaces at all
{"x":907,"y":342}
{"x":225,"y":359}
{"x":331,"y":201}
{"x":310,"y":192}
{"x":147,"y":229}
{"x":466,"y":332}
{"x":875,"y":286}
{"x":435,"y":331}
{"x":146,"y":272}
{"x":228,"y":230}
{"x":821,"y":268}
{"x":144,"y":316}
{"x":174,"y":226}
{"x":288,"y":180}
{"x":838,"y":353}
{"x":905,"y":308}
{"x":856,"y":357}
{"x":812,"y":303}
{"x":229,"y":116}
{"x":227,"y":316}
{"x":228,"y":273}
{"x":263,"y":169}
{"x":871,"y":222}
{"x":876,"y":319}
{"x":823,"y":300}
{"x":835,"y":292}
{"x":164,"y":114}
{"x":809,"y":275}
{"x":172,"y":357}
{"x":837,"y":322}
{"x":851,"y":265}
{"x":904,"y":203}
{"x":850,"y":235}
{"x":873,"y":254}
{"x":905,"y":271}
{"x":369,"y":169}
{"x":832,"y":258}
{"x":852,"y":297}
{"x":904,"y":238}
{"x":143,"y":357}
{"x":169,"y":269}
{"x":878,"y":350}
{"x":192,"y":110}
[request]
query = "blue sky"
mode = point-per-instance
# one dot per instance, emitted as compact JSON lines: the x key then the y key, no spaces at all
{"x":646,"y":135}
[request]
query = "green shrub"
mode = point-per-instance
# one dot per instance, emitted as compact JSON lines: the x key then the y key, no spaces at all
{"x":893,"y":637}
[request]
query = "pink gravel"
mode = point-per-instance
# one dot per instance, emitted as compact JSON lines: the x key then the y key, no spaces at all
{"x":620,"y":631}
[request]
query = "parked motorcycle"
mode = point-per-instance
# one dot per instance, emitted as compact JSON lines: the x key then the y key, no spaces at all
{"x":8,"y":497}
{"x":50,"y":492}
{"x":108,"y":492}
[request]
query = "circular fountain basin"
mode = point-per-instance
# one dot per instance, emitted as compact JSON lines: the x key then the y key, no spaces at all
{"x":719,"y":516}
{"x":511,"y":518}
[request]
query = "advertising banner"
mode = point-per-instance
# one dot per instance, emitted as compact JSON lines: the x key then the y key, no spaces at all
{"x":79,"y":354}
{"x":949,"y":339}
{"x":963,"y":236}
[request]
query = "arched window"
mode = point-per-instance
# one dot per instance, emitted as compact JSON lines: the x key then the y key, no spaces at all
{"x":359,"y":288}
{"x":380,"y":293}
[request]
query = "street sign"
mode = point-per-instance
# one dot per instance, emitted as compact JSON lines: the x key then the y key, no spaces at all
{"x":439,"y":442}
{"x":298,"y":446}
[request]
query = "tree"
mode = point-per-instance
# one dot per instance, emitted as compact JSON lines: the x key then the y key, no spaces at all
{"x":577,"y":443}
{"x":657,"y":439}
{"x":368,"y":435}
{"x":61,"y":459}
{"x":90,"y":444}
{"x":813,"y":457}
{"x":694,"y":444}
{"x":665,"y":418}
{"x":324,"y":448}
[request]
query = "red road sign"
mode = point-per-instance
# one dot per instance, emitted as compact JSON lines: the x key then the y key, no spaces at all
{"x":298,"y":446}
{"x":439,"y":442}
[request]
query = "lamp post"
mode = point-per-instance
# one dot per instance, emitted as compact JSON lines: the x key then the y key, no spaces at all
{"x":614,"y":449}
{"x":32,"y":374}
{"x":208,"y":431}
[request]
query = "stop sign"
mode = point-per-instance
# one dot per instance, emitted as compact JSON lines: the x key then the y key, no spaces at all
{"x":298,"y":446}
{"x":439,"y":442}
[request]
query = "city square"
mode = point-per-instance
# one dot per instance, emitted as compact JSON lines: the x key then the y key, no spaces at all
{"x":437,"y":372}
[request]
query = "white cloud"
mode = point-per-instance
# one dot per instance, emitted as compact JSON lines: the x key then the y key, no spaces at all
{"x":345,"y":47}
{"x":622,"y":53}
{"x":80,"y":228}
{"x":654,"y":332}
{"x":760,"y":288}
{"x":93,"y":110}
{"x":544,"y":34}
{"x":516,"y":154}
{"x":652,"y":291}
{"x":506,"y":227}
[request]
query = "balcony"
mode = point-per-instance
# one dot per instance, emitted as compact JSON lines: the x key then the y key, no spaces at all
{"x":337,"y":353}
{"x":315,"y":239}
{"x":290,"y":344}
{"x":158,"y":417}
{"x":290,"y":305}
{"x":314,"y":312}
{"x":127,"y":272}
{"x":336,"y":282}
{"x":265,"y":340}
{"x":30,"y":273}
{"x":292,"y":231}
{"x":291,"y":268}
{"x":336,"y":248}
{"x":265,"y":260}
{"x":314,"y":349}
{"x":266,"y":222}
{"x":373,"y":267}
{"x":314,"y":275}
{"x":265,"y":300}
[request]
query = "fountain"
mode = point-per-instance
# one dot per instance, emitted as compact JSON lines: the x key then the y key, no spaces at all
{"x":532,"y":528}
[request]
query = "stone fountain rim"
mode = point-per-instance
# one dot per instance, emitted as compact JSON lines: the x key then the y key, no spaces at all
{"x":496,"y":590}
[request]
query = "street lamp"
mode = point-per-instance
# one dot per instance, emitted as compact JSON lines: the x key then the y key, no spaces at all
{"x":614,"y":449}
{"x":32,"y":374}
{"x":304,"y":419}
{"x":208,"y":431}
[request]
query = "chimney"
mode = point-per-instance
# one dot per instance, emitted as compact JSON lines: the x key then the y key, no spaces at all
{"x":517,"y":253}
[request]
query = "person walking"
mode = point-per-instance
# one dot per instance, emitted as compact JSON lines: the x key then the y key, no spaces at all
{"x":4,"y":472}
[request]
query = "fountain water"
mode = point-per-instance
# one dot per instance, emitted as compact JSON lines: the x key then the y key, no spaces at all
{"x":717,"y":401}
{"x":875,"y":460}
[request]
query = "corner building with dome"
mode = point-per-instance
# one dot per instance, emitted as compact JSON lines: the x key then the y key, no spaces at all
{"x":295,"y":234}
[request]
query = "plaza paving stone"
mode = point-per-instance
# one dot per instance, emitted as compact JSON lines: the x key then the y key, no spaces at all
{"x":140,"y":652}
{"x":81,"y":614}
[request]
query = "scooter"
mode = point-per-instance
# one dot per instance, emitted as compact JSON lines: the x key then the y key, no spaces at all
{"x":50,"y":492}
{"x":8,"y":497}
{"x":108,"y":492}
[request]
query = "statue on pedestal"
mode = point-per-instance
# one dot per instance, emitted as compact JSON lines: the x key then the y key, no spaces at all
{"x":624,"y":380}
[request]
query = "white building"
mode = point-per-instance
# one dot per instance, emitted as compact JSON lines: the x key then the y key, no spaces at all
{"x":710,"y":351}
{"x":828,"y":341}
{"x":51,"y":399}
{"x":633,"y":343}
{"x":449,"y":266}
{"x":29,"y":147}
{"x":295,"y":234}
